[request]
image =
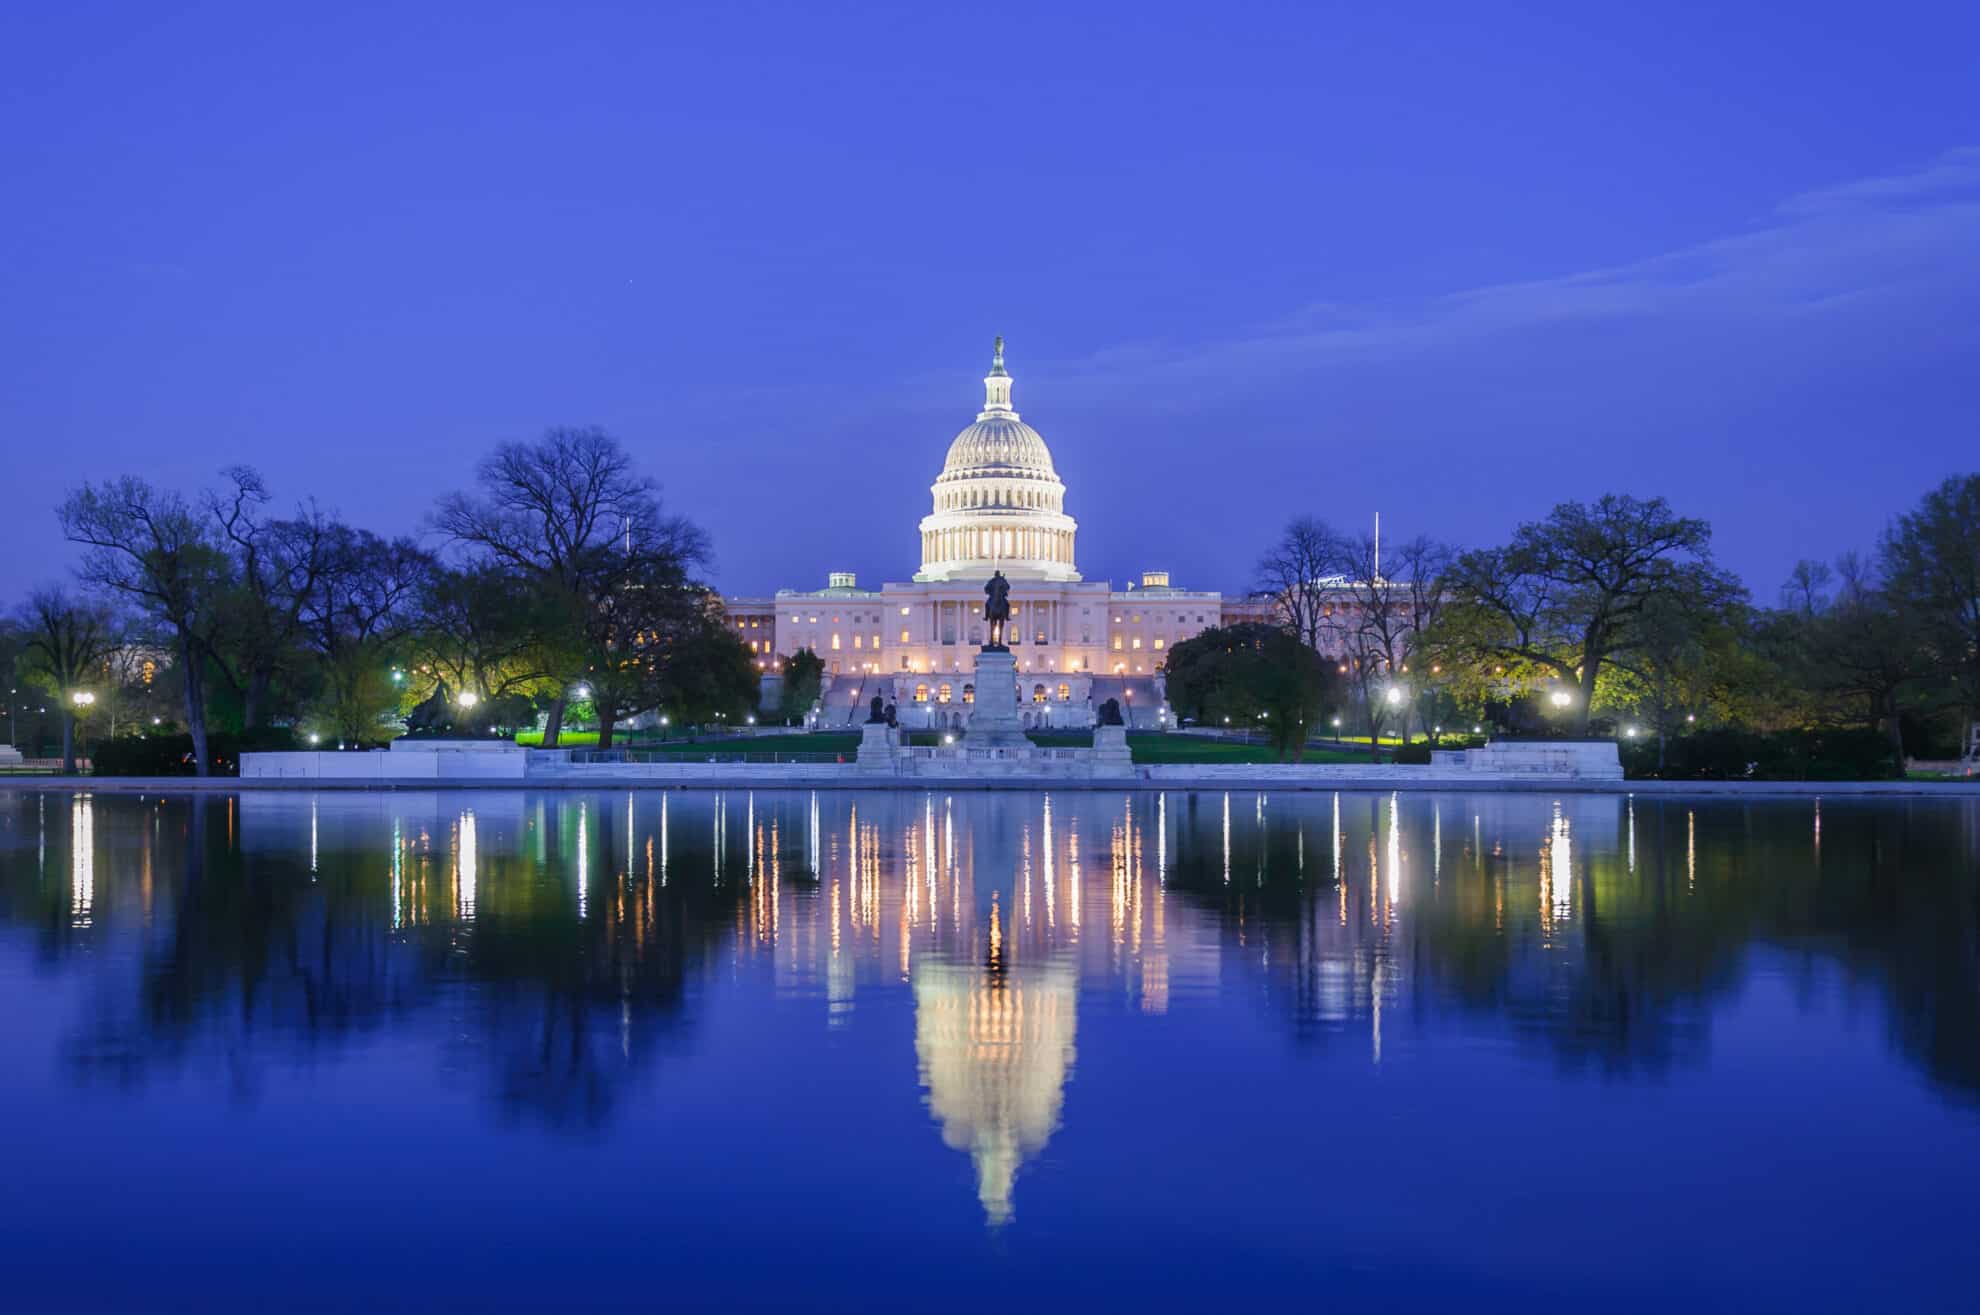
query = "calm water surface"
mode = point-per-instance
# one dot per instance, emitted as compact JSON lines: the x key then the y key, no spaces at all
{"x":987,"y":1052}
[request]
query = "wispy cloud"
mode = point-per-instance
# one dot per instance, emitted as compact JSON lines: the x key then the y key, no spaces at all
{"x":1816,"y":253}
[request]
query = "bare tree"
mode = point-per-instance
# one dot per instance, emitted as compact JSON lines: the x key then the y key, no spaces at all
{"x":1373,"y":626}
{"x":64,"y":642}
{"x":361,"y":604}
{"x":1806,"y":592}
{"x":1295,"y":571}
{"x":569,"y":517}
{"x":277,"y":566}
{"x":148,"y":546}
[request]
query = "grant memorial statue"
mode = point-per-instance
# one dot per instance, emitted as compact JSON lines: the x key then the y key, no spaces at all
{"x":997,"y":609}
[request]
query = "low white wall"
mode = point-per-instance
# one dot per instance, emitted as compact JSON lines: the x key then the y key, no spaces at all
{"x":425,"y":764}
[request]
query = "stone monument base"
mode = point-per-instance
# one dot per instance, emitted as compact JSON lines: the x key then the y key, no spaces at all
{"x":993,"y":720}
{"x":877,"y":743}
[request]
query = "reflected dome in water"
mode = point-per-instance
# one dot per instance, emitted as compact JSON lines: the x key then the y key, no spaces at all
{"x":995,"y":1045}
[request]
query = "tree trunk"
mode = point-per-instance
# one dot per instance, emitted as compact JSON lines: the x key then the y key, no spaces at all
{"x":606,"y":718}
{"x":254,"y":701}
{"x":195,"y":682}
{"x":553,"y":725}
{"x":1587,"y":709}
{"x":1660,"y":746}
{"x":68,"y":743}
{"x":1895,"y":728}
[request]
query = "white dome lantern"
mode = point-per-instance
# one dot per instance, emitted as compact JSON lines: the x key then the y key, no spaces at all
{"x":999,"y":504}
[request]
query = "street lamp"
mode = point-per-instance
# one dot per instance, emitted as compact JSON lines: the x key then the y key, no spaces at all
{"x":583,"y":691}
{"x":1561,"y":698}
{"x":467,"y":698}
{"x":1394,"y":695}
{"x":82,"y":698}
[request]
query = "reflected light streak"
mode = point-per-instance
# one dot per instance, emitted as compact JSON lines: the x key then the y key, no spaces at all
{"x":1393,"y":849}
{"x":398,"y":875}
{"x":1690,"y":850}
{"x":466,"y":861}
{"x":583,"y":859}
{"x":1227,"y":837}
{"x":1560,"y":846}
{"x":82,"y":861}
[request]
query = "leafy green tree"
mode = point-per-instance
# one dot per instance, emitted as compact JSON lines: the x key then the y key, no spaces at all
{"x":64,"y":644}
{"x":804,"y":677}
{"x":480,"y":627}
{"x":1680,"y":663}
{"x":1859,"y":654}
{"x":1258,"y":676}
{"x":1571,"y":593}
{"x":1931,"y":562}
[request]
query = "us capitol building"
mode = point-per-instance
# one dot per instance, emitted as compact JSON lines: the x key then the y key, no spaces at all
{"x":998,"y":505}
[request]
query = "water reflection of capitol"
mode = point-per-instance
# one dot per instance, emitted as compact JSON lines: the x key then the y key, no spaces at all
{"x":587,"y":921}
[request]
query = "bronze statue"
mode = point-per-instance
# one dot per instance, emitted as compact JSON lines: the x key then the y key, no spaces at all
{"x":877,"y":712}
{"x":997,"y":611}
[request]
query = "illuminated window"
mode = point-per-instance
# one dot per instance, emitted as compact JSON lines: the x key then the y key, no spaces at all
{"x":904,"y":634}
{"x":921,"y":693}
{"x":969,"y":693}
{"x":1037,"y":693}
{"x":876,"y":639}
{"x":1137,"y":643}
{"x":859,"y":641}
{"x":1117,"y":643}
{"x":835,"y":641}
{"x":1065,"y":692}
{"x":943,"y":693}
{"x":1158,"y":641}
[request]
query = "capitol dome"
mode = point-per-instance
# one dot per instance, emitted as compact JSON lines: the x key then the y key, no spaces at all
{"x":999,"y":504}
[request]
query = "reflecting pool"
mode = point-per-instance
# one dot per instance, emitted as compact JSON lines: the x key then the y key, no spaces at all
{"x":985,"y":1051}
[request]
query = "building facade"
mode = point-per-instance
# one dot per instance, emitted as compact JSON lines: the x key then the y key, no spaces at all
{"x":998,"y":504}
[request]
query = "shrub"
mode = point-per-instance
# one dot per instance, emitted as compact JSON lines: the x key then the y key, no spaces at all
{"x":1730,"y":754}
{"x":171,"y":755}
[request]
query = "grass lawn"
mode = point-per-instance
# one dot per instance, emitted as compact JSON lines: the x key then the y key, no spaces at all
{"x":1156,"y":747}
{"x":818,"y":742}
{"x":1146,"y":746}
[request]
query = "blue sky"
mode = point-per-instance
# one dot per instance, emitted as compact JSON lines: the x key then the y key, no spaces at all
{"x":1252,"y":261}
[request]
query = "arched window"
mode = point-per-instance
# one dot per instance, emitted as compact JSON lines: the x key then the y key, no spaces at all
{"x":943,"y":693}
{"x":921,"y":693}
{"x":1037,"y":693}
{"x":969,"y":693}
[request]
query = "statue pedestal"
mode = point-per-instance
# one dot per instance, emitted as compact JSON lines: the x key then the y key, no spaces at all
{"x":993,"y":720}
{"x":877,"y":743}
{"x":1111,"y":756}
